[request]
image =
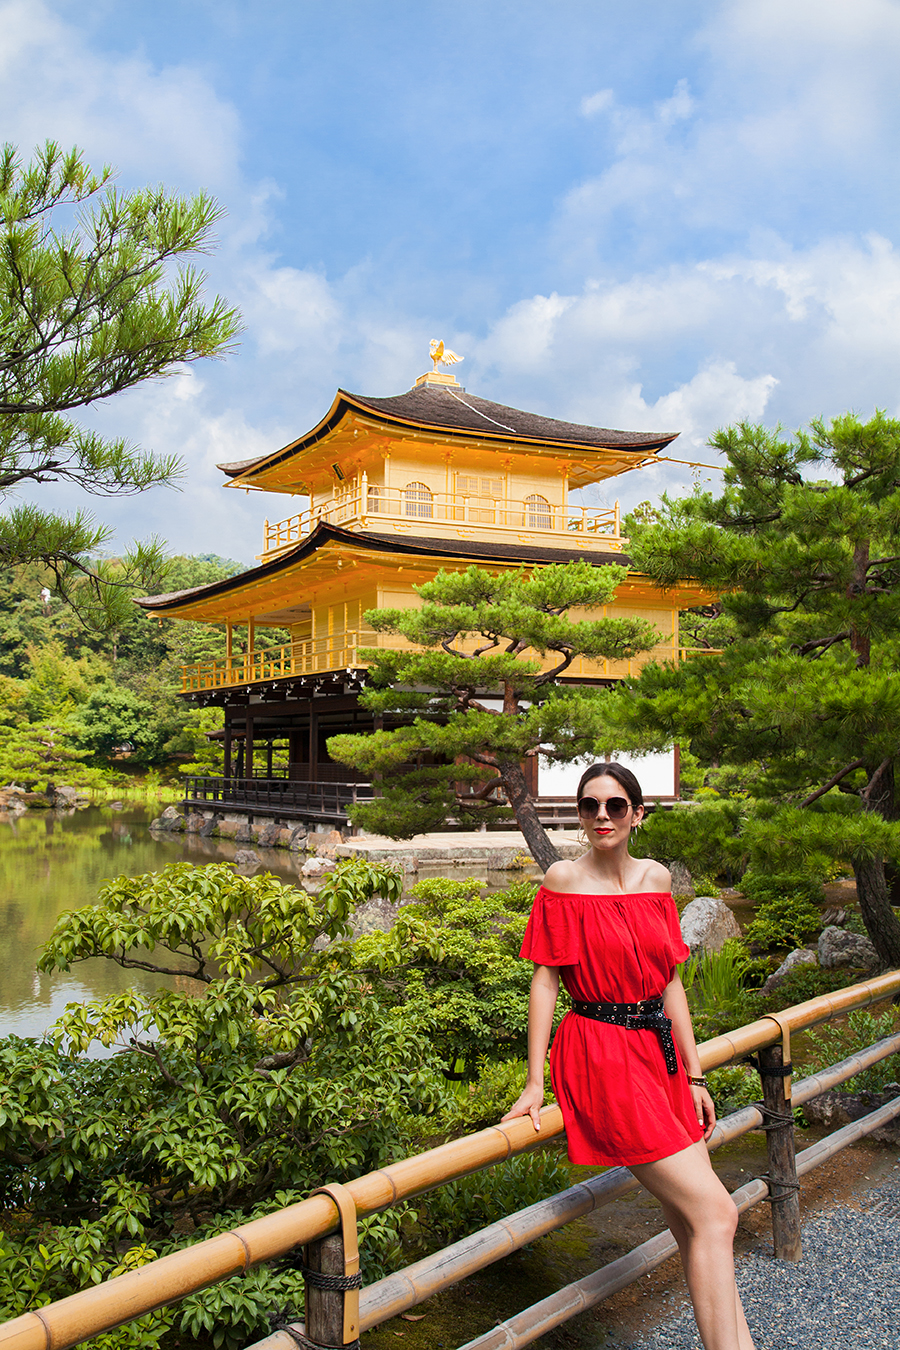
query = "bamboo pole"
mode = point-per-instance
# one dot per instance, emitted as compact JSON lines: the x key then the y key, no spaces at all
{"x":105,"y":1306}
{"x":414,"y":1284}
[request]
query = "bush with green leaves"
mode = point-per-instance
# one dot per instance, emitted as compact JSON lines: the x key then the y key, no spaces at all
{"x":705,"y":836}
{"x":274,"y":1065}
{"x":829,"y":1044}
{"x":787,"y":909}
{"x":463,"y":1206}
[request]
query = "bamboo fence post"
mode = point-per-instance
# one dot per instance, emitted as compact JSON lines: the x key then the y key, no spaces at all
{"x":332,"y":1301}
{"x":784,"y":1186}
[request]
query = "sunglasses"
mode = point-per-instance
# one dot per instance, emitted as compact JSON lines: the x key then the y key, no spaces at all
{"x":617,"y":808}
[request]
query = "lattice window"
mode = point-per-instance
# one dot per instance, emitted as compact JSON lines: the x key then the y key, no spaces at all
{"x":537,"y":513}
{"x":373,"y":499}
{"x":467,"y":485}
{"x":418,"y":501}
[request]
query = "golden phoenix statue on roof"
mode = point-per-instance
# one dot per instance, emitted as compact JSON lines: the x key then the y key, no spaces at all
{"x":442,"y":355}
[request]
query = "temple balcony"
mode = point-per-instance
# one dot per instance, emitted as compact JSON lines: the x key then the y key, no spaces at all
{"x":416,"y":510}
{"x":339,"y":653}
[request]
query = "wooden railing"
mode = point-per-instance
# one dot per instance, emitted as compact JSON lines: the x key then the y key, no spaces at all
{"x":279,"y":797}
{"x":372,"y":507}
{"x":65,"y":1323}
{"x":307,"y":656}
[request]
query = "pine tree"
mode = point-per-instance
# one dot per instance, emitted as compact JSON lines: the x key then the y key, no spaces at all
{"x":90,"y":307}
{"x":803,"y":547}
{"x":473,"y":697}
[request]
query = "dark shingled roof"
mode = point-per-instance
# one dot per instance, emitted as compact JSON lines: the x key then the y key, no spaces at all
{"x":325,"y":533}
{"x":455,"y":411}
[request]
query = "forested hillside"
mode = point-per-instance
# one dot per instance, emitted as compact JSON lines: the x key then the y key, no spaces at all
{"x":91,"y":710}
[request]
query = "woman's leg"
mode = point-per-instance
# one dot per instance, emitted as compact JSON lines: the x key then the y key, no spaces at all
{"x":702,"y":1219}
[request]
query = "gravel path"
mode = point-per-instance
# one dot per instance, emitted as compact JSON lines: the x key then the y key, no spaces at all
{"x":844,"y":1294}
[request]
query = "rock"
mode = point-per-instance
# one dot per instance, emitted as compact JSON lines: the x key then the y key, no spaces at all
{"x":834,"y":1109}
{"x":707,"y":923}
{"x":801,"y":957}
{"x":63,"y":795}
{"x":326,"y":844}
{"x":210,"y":827}
{"x":36,"y":799}
{"x":682,"y":882}
{"x":373,"y":916}
{"x":268,"y":836}
{"x":171,"y":819}
{"x":194,"y":823}
{"x":244,"y":834}
{"x":298,"y":839}
{"x":316,"y":867}
{"x":245,"y":857}
{"x":838,"y":948}
{"x":116,"y":806}
{"x":834,"y":917}
{"x":228,"y":828}
{"x":510,"y":860}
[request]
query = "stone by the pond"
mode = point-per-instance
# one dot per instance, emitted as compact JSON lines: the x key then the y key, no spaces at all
{"x":171,"y":819}
{"x":245,"y":834}
{"x":64,"y":796}
{"x":269,"y":836}
{"x":327,"y":843}
{"x":707,"y":923}
{"x":838,"y":948}
{"x":298,"y":839}
{"x":194,"y":823}
{"x":834,"y":1109}
{"x":316,"y":867}
{"x":210,"y":828}
{"x":802,"y":956}
{"x":245,"y":857}
{"x":682,"y":881}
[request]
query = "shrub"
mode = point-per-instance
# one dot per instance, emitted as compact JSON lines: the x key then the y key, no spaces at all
{"x":787,"y":909}
{"x":829,"y":1044}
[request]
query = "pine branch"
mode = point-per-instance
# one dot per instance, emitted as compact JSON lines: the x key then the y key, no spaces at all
{"x":832,"y":782}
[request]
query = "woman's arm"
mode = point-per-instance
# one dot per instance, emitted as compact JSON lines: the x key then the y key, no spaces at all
{"x":541,"y":1006}
{"x":676,"y":1007}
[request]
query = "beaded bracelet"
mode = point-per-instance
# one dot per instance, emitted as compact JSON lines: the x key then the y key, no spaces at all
{"x":697,"y":1082}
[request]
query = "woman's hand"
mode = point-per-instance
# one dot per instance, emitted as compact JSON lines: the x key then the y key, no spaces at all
{"x":706,"y":1111}
{"x":528,"y":1104}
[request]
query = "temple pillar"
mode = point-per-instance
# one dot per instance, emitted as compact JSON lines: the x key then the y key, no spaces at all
{"x":248,"y":746}
{"x":313,"y":746}
{"x":227,"y":765}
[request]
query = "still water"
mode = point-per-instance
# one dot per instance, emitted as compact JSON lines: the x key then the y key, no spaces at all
{"x":53,"y":861}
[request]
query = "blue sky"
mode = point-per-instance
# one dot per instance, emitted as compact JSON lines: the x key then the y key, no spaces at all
{"x":652,"y":216}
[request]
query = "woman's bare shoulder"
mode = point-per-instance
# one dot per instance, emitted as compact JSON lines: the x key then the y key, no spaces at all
{"x":564,"y":876}
{"x":655,"y":877}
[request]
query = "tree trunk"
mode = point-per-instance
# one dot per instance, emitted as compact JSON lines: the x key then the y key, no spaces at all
{"x":522,"y":802}
{"x":872,"y":889}
{"x":875,"y":906}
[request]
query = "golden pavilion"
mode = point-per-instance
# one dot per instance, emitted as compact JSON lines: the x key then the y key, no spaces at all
{"x":397,"y":489}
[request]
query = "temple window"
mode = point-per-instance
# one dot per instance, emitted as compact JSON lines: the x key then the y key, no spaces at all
{"x":373,"y":500}
{"x":418,"y":501}
{"x":537,"y":513}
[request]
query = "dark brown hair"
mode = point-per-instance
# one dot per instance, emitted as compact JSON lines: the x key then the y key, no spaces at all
{"x":624,"y":777}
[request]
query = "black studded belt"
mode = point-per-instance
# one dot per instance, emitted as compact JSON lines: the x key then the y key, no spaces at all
{"x":647,"y":1015}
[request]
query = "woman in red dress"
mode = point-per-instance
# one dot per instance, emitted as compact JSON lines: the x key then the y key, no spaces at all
{"x":624,"y":1061}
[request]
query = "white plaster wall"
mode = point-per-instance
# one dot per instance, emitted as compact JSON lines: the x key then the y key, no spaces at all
{"x":655,"y":773}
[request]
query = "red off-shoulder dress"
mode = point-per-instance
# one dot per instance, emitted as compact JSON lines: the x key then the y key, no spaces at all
{"x":619,"y":1103}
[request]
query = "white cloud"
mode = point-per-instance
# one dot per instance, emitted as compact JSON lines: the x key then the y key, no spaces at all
{"x":596,"y":103}
{"x":154,"y":123}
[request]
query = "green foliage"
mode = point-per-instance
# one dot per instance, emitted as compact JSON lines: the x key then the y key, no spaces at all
{"x":478,"y":636}
{"x":276,"y":1061}
{"x":829,"y":1044}
{"x":733,"y":1086}
{"x":787,"y":911}
{"x":705,"y":836}
{"x":715,"y":980}
{"x":801,"y":546}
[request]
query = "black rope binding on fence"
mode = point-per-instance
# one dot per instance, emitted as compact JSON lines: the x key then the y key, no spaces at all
{"x":782,"y":1071}
{"x":789,"y":1187}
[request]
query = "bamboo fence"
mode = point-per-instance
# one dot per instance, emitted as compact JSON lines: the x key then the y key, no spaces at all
{"x":125,"y":1297}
